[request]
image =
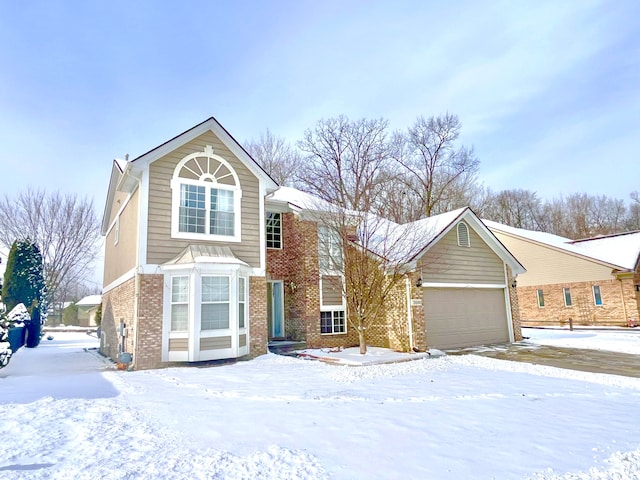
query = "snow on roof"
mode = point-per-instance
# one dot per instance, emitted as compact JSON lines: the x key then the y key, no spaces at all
{"x":411,"y":238}
{"x":621,"y":250}
{"x":301,"y":199}
{"x":90,"y":300}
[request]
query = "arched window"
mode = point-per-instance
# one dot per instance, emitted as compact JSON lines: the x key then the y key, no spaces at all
{"x":206,"y":198}
{"x":463,"y":235}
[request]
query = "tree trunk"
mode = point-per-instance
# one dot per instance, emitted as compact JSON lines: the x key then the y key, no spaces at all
{"x":363,"y":343}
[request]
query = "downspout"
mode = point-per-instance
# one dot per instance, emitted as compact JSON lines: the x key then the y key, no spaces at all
{"x":409,"y":311}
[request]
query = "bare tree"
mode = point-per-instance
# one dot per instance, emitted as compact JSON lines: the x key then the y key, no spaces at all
{"x":370,"y":264}
{"x":439,"y":172}
{"x":276,"y":156}
{"x":632,"y":221}
{"x":345,"y":161}
{"x":65,"y":228}
{"x":517,"y":208}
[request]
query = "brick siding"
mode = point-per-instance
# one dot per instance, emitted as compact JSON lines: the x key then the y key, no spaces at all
{"x":257,"y":316}
{"x":148,"y":352}
{"x":620,"y":301}
{"x":515,"y":306}
{"x":117,"y":308}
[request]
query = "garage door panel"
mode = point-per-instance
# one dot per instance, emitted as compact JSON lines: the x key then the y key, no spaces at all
{"x":464,"y":317}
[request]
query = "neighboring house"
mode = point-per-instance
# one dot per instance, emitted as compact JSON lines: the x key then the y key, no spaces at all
{"x":87,"y":309}
{"x":205,"y":258}
{"x":594,"y":281}
{"x":458,"y":292}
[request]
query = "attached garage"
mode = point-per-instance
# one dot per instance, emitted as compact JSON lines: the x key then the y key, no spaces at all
{"x":462,"y":317}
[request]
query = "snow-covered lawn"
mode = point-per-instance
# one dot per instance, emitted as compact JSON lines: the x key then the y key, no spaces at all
{"x":616,"y":340}
{"x":64,"y":413}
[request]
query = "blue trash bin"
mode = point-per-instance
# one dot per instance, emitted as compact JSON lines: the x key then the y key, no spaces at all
{"x":16,"y":338}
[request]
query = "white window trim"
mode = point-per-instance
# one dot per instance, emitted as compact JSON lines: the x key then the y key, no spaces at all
{"x":176,"y":181}
{"x":172,"y":303}
{"x":227,"y":302}
{"x":593,"y":292}
{"x":332,"y":269}
{"x":195,"y":333}
{"x":334,"y":308}
{"x":344,"y":312}
{"x":538,"y":292}
{"x":266,"y":230}
{"x":564,"y":295}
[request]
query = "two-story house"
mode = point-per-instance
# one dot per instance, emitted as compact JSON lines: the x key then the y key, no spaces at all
{"x":206,"y":258}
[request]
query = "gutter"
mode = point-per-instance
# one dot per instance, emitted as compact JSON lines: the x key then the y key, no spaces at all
{"x":409,"y":311}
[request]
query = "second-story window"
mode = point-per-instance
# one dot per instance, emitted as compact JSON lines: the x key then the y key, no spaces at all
{"x":274,"y":230}
{"x":206,"y":198}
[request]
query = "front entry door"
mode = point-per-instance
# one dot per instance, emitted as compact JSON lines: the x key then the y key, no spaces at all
{"x":275,"y":304}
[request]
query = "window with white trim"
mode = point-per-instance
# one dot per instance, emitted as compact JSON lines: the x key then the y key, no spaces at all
{"x":274,"y":230}
{"x":206,"y":198}
{"x":540,"y":296}
{"x":463,"y":235}
{"x":180,"y":303}
{"x":332,"y":305}
{"x":332,"y":322}
{"x":329,"y":250}
{"x":214,"y":303}
{"x":567,"y":297}
{"x":597,"y":295}
{"x":242,"y":302}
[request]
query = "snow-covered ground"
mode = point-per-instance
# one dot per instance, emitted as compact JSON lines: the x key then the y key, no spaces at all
{"x":65,"y":413}
{"x":616,"y":340}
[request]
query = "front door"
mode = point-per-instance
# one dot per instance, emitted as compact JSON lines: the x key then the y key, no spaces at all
{"x":275,"y":308}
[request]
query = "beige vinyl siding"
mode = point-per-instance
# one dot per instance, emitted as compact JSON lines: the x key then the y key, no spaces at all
{"x":160,"y":246}
{"x":242,"y":340}
{"x":118,"y":199}
{"x":331,"y":290}
{"x":178,"y":344}
{"x":121,"y":258}
{"x":446,"y":262}
{"x":547,"y":265}
{"x":215,"y":343}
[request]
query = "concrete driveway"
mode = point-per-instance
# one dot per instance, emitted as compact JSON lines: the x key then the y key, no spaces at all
{"x":596,"y":361}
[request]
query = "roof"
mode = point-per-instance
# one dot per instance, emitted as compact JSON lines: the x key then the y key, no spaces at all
{"x":199,"y":253}
{"x":400,"y":243}
{"x":126,"y":174}
{"x":90,"y":301}
{"x":620,"y":251}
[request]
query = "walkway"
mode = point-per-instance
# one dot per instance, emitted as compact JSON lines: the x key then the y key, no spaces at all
{"x":596,"y":361}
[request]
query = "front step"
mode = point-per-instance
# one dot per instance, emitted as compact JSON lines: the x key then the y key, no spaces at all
{"x":286,"y":347}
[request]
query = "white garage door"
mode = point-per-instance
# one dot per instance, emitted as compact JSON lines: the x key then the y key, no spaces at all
{"x":463,"y":317}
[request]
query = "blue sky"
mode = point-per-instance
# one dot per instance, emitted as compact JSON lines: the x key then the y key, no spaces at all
{"x":548,"y":92}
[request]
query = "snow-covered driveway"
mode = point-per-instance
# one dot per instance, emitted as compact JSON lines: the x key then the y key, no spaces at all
{"x":278,"y":417}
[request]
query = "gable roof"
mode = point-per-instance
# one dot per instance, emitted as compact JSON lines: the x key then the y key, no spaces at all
{"x":402,"y":243}
{"x":434,"y":228}
{"x":618,"y":251}
{"x":124,"y":173}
